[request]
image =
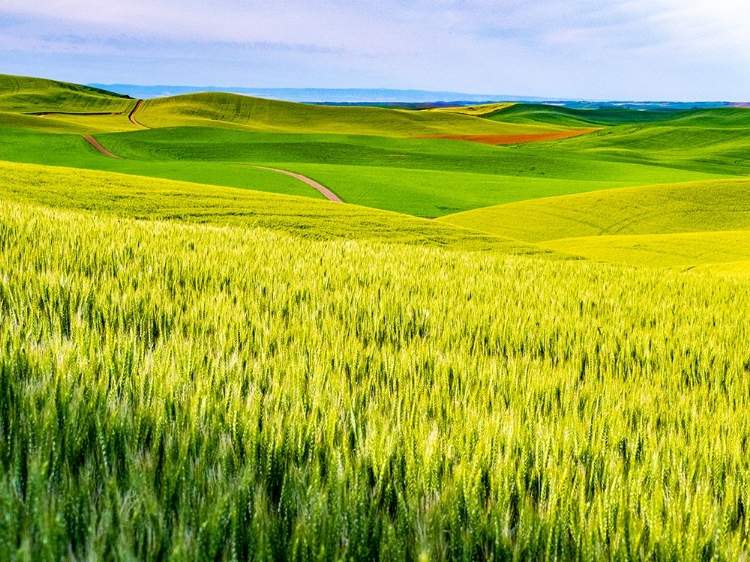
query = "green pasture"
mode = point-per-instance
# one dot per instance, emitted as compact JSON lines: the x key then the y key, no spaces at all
{"x":67,"y":123}
{"x":375,"y":156}
{"x":480,"y":110}
{"x":425,"y":177}
{"x":563,"y":116}
{"x":156,"y":199}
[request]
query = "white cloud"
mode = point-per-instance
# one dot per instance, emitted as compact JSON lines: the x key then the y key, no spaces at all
{"x":718,"y":27}
{"x":582,"y":48}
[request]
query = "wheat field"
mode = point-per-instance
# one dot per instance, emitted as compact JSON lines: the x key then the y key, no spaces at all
{"x":173,"y":391}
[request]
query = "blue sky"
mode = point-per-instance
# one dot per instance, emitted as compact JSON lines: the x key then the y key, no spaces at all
{"x":595,"y":49}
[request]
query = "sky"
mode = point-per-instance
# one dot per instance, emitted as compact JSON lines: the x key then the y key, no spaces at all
{"x":680,"y":50}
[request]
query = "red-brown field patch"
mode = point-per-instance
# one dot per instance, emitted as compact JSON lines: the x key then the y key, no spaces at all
{"x":516,"y":139}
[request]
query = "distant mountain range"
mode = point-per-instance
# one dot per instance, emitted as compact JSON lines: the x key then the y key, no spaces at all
{"x":412,"y":98}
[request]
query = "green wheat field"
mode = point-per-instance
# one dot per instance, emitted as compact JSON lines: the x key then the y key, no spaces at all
{"x":509,"y":351}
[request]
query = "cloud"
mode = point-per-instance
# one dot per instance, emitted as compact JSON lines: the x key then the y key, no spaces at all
{"x":576,"y":48}
{"x":706,"y":28}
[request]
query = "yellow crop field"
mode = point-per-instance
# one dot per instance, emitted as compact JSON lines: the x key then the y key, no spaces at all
{"x":475,"y":110}
{"x":673,"y":225}
{"x":660,"y":250}
{"x":194,"y":392}
{"x":702,"y":206}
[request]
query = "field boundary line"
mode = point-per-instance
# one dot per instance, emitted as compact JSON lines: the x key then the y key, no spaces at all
{"x":327,"y":193}
{"x":95,"y":143}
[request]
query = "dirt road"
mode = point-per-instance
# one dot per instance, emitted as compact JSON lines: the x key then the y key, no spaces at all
{"x":131,"y":116}
{"x":327,"y":193}
{"x":95,"y":143}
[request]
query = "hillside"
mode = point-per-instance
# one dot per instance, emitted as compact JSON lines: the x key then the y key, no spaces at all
{"x":660,"y":209}
{"x":415,"y":162}
{"x":219,"y":109}
{"x":60,"y":107}
{"x":723,"y":252}
{"x":19,"y":94}
{"x":563,"y":116}
{"x":663,"y":225}
{"x":148,"y":198}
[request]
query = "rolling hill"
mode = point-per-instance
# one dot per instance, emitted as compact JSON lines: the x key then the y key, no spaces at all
{"x":156,"y":199}
{"x":257,"y":114}
{"x":659,"y":209}
{"x":665,"y":225}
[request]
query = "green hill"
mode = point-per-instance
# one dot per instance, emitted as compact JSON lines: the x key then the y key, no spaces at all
{"x":371,"y":156}
{"x":557,"y":115}
{"x":20,"y":94}
{"x":664,"y":225}
{"x":219,"y":109}
{"x":659,"y":209}
{"x":61,"y":107}
{"x":149,"y":198}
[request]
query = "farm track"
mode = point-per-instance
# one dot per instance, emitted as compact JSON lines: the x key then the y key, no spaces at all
{"x":95,"y":143}
{"x":131,"y":115}
{"x":327,"y":193}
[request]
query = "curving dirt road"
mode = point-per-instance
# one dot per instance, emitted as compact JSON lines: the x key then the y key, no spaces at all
{"x":95,"y":143}
{"x":327,"y":193}
{"x":131,"y":116}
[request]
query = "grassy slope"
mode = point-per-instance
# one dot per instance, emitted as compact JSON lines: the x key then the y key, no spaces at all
{"x":723,"y":252}
{"x":666,"y":225}
{"x":35,"y":95}
{"x":711,"y":140}
{"x":555,"y":115}
{"x":475,"y":110}
{"x":148,"y":198}
{"x":20,"y":97}
{"x":386,"y":173}
{"x":277,"y":116}
{"x":662,"y":209}
{"x":376,"y":166}
{"x":69,"y":124}
{"x":73,"y":151}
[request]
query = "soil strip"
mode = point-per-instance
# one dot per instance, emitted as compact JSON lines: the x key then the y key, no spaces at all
{"x":327,"y":193}
{"x":95,"y":143}
{"x":131,"y":116}
{"x":516,"y":139}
